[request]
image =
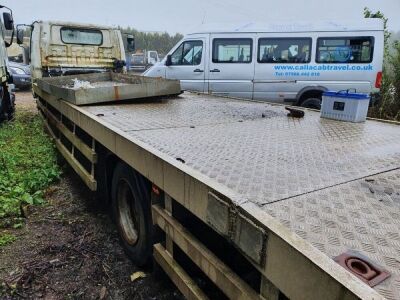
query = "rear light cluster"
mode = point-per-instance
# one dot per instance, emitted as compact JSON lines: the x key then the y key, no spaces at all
{"x":378,"y":81}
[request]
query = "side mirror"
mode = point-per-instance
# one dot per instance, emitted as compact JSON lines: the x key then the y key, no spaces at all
{"x":26,"y":54}
{"x":130,"y":43}
{"x":20,"y":36}
{"x":168,"y":62}
{"x":8,"y":21}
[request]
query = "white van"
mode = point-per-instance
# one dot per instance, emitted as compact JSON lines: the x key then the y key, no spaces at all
{"x":291,"y":63}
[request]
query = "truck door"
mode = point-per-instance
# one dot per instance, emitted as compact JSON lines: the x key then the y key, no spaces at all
{"x":231,"y":69}
{"x":188,"y":64}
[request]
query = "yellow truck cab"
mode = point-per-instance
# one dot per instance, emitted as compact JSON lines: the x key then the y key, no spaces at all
{"x":63,"y":48}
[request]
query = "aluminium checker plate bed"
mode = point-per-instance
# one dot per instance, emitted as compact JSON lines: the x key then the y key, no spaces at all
{"x":335,"y":184}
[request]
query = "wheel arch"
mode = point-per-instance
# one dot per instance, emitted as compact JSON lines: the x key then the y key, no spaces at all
{"x":309,"y":92}
{"x":107,"y":162}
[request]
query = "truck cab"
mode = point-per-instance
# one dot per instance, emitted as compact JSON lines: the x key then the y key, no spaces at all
{"x":142,"y":60}
{"x":63,"y":48}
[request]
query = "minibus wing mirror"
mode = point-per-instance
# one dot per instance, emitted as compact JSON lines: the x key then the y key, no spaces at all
{"x":168,"y":61}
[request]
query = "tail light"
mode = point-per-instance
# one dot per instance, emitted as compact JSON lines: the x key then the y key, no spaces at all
{"x":378,"y":81}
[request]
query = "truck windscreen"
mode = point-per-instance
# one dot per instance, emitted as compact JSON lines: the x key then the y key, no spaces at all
{"x":81,"y":36}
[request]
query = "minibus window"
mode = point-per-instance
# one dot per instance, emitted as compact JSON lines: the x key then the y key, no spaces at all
{"x":232,"y":51}
{"x":81,"y":36}
{"x":284,"y":50}
{"x":345,"y":50}
{"x":187,"y":54}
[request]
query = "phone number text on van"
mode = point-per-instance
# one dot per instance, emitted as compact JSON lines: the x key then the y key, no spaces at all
{"x":288,"y":70}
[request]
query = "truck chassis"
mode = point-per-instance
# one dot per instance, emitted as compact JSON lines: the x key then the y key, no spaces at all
{"x":281,"y":192}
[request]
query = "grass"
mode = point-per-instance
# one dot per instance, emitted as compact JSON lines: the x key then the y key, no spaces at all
{"x":28,"y":166}
{"x":6,"y":238}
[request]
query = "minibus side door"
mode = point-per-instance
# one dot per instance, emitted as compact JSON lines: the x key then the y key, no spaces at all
{"x":231,"y":67}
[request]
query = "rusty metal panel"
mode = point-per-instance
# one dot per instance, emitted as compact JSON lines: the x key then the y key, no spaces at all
{"x":107,"y":87}
{"x":55,"y":53}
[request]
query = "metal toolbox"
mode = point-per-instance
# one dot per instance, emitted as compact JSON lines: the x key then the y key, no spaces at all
{"x":107,"y":87}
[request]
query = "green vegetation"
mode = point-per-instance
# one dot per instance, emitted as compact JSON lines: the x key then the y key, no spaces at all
{"x":161,"y":42}
{"x":388,"y":106}
{"x":6,"y":238}
{"x":27,"y":166}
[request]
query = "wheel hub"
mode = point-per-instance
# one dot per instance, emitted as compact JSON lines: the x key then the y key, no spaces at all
{"x":127,"y":215}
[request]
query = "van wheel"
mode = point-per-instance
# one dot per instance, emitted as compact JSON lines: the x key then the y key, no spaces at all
{"x":131,"y":210}
{"x":314,"y":103}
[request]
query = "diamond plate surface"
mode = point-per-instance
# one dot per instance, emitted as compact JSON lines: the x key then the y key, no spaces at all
{"x":306,"y":172}
{"x":362,"y":215}
{"x":185,"y":111}
{"x":269,"y":159}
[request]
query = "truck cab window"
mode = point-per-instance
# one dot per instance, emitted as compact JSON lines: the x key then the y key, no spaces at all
{"x":232,"y":50}
{"x":284,"y":50}
{"x":345,"y":50}
{"x":188,"y":54}
{"x":81,"y":36}
{"x":153,"y":55}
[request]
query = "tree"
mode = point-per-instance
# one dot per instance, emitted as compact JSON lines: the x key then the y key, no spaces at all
{"x":161,"y":42}
{"x":389,"y":105}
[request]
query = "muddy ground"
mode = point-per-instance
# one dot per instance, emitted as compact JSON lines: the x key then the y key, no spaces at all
{"x":69,"y":249}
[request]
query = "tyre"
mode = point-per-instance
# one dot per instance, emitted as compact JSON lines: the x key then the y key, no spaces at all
{"x":11,"y":107}
{"x":3,"y":105}
{"x":130,"y":195}
{"x":314,"y":103}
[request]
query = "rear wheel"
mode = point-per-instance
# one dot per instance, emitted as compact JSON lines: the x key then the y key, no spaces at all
{"x":131,"y":209}
{"x":314,"y":103}
{"x":11,"y":107}
{"x":3,"y":105}
{"x":7,"y":105}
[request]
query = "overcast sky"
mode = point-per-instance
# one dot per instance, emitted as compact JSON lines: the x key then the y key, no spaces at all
{"x":182,"y":15}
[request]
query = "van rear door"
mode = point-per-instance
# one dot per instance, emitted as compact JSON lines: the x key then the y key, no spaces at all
{"x":231,"y":70}
{"x":188,"y":63}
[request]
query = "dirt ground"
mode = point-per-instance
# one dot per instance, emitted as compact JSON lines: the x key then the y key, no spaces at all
{"x":69,"y":249}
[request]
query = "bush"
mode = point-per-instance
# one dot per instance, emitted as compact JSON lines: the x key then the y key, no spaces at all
{"x":388,"y":107}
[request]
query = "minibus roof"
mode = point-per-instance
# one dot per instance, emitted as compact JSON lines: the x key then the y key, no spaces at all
{"x":364,"y":24}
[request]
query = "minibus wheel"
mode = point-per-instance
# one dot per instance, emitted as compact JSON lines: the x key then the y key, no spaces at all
{"x":130,"y":194}
{"x":314,"y":103}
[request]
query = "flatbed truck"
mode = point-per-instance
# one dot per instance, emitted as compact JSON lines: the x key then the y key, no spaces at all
{"x":263,"y":205}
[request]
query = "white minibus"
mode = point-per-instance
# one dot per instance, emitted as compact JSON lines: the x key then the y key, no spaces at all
{"x":292,"y":62}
